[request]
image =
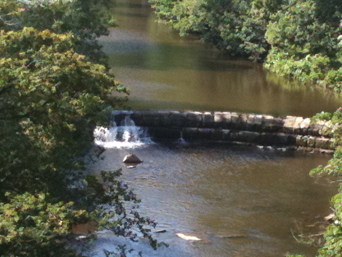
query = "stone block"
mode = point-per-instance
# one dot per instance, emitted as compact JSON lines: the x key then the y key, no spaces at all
{"x":271,"y":124}
{"x":311,"y":142}
{"x":216,"y":134}
{"x":151,"y":119}
{"x":233,"y":135}
{"x":254,"y":122}
{"x":226,"y":135}
{"x":234,"y":119}
{"x":177,"y":119}
{"x":248,"y":136}
{"x":296,"y":126}
{"x":190,"y":133}
{"x":222,"y":119}
{"x":301,"y":141}
{"x":242,"y":122}
{"x":205,"y":133}
{"x":164,"y":116}
{"x":164,"y":133}
{"x":289,"y":123}
{"x":207,"y":120}
{"x":283,"y":139}
{"x":267,"y":120}
{"x":322,"y":142}
{"x":193,"y":119}
{"x":315,"y":129}
{"x":291,"y":140}
{"x":165,"y":119}
{"x":327,"y":151}
{"x":274,"y":139}
{"x":304,"y":126}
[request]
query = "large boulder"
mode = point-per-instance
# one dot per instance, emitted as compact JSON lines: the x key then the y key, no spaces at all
{"x":132,"y":158}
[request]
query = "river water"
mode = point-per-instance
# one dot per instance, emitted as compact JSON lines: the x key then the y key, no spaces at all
{"x":240,"y":201}
{"x":219,"y":192}
{"x":166,"y":71}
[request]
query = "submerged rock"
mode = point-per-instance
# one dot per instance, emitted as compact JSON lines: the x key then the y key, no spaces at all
{"x":160,"y":231}
{"x":185,"y":237}
{"x":131,"y":165}
{"x":330,"y":218}
{"x":132,"y":158}
{"x":231,"y":236}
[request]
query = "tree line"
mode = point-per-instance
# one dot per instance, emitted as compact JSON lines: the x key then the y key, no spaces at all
{"x":55,"y":87}
{"x":299,"y":39}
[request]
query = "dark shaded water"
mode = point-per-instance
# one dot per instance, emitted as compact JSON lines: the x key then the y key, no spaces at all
{"x":166,"y":71}
{"x":214,"y":192}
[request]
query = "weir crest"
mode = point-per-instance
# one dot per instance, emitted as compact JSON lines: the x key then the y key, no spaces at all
{"x":261,"y":130}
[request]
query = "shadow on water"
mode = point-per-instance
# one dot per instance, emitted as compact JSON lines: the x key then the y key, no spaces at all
{"x":139,"y":55}
{"x":128,"y":5}
{"x":133,"y":14}
{"x":184,"y":73}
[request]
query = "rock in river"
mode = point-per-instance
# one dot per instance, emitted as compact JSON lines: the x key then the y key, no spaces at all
{"x":187,"y":237}
{"x":132,"y":158}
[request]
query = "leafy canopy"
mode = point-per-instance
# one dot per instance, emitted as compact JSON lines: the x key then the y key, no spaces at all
{"x":55,"y":87}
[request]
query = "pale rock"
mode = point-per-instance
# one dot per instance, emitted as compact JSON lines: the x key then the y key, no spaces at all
{"x":132,"y":158}
{"x":190,"y":238}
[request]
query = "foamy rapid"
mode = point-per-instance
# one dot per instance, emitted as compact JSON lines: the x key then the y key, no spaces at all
{"x":121,"y":137}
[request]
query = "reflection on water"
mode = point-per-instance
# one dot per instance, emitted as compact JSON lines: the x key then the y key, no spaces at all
{"x":241,"y":201}
{"x":165,"y":71}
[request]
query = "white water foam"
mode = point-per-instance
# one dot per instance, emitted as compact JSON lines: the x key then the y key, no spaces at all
{"x":127,"y":135}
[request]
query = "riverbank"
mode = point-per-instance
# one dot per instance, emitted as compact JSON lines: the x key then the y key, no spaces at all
{"x":297,"y":39}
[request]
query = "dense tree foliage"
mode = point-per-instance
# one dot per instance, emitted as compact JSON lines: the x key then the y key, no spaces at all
{"x":305,"y":42}
{"x":86,"y":20}
{"x":236,"y":26}
{"x":55,"y":87}
{"x":296,"y":38}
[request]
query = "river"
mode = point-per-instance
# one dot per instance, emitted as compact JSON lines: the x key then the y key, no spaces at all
{"x":166,"y":71}
{"x":241,"y":201}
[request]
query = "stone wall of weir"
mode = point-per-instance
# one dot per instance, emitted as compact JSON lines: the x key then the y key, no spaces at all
{"x":265,"y":130}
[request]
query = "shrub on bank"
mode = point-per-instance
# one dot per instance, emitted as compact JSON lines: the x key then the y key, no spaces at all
{"x":235,"y":26}
{"x":304,"y":46}
{"x":296,"y":38}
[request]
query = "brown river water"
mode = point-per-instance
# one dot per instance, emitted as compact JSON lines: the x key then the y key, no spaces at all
{"x":166,"y":71}
{"x":241,"y":201}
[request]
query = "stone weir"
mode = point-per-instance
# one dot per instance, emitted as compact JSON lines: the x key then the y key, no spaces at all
{"x":261,"y":130}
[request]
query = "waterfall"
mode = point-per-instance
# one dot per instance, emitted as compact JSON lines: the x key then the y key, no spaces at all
{"x":124,"y":135}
